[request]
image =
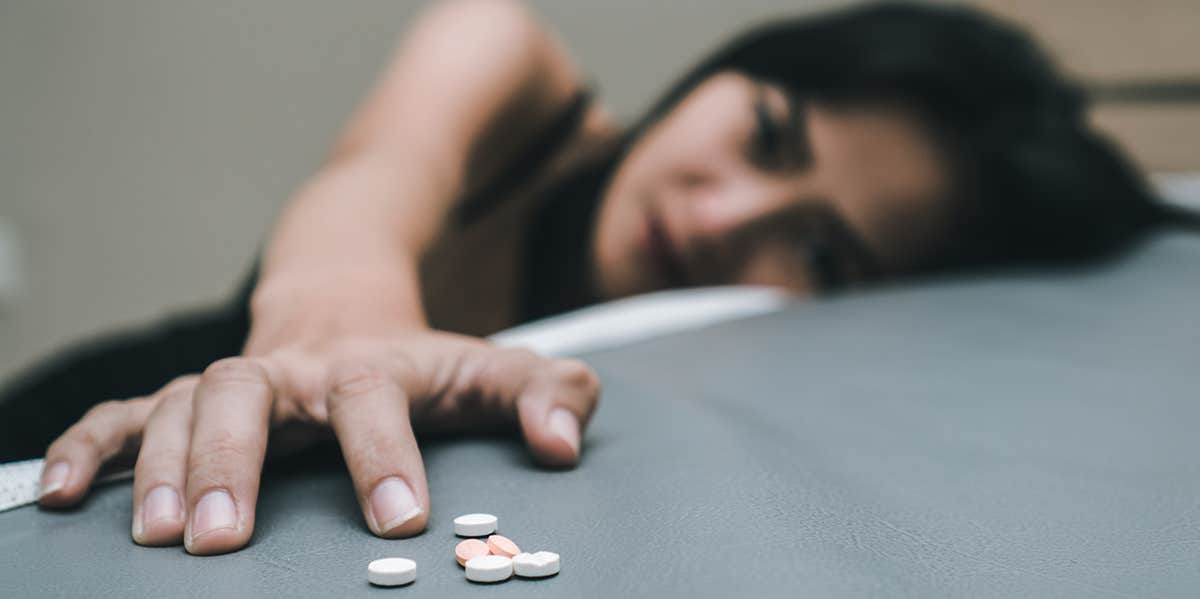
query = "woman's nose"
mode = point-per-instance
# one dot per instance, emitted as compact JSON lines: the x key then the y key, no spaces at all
{"x":721,"y":207}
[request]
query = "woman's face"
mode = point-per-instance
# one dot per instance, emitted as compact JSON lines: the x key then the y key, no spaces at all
{"x":735,"y":185}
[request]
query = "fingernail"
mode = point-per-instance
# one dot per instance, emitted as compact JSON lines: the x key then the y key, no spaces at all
{"x":214,"y":511}
{"x":393,"y":504}
{"x":565,"y":426}
{"x":55,"y":478}
{"x":161,"y":503}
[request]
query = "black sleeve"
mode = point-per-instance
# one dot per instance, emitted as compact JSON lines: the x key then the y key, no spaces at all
{"x":539,"y":151}
{"x":41,"y":402}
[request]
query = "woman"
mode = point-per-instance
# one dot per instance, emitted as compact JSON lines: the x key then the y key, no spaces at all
{"x":880,"y":142}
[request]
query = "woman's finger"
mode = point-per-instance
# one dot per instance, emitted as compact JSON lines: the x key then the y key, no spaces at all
{"x":555,"y":407}
{"x":230,"y":419}
{"x":107,"y":430}
{"x":552,"y":399}
{"x":161,"y":471}
{"x":369,"y":414}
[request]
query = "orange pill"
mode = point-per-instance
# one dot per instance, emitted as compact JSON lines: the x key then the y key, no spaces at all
{"x":468,"y":549}
{"x":499,"y":545}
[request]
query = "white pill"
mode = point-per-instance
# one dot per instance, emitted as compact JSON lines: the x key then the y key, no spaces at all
{"x":391,"y":571}
{"x":489,"y":568}
{"x":475,"y":525}
{"x":535,"y":565}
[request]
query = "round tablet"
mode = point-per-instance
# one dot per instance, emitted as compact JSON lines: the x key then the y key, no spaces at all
{"x":468,"y":549}
{"x":498,"y":545}
{"x":391,"y":571}
{"x":475,"y":525}
{"x":489,"y":568}
{"x":535,"y":565}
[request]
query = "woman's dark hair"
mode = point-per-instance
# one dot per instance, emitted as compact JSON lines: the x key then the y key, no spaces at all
{"x":1034,"y":183}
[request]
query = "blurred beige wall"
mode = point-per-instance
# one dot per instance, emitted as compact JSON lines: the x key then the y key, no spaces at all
{"x":1123,"y":42}
{"x":146,"y":145}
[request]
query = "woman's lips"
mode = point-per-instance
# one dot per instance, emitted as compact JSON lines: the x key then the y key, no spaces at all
{"x":666,"y":259}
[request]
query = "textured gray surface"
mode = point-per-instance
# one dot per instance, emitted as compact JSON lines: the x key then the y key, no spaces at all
{"x":1019,"y":436}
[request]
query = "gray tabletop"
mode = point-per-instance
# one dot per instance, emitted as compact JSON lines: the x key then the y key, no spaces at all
{"x":1022,"y":435}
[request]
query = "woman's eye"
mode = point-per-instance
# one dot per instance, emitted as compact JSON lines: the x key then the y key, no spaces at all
{"x":766,"y":141}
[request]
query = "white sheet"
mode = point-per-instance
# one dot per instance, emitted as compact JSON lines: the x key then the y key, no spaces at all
{"x":1182,"y":189}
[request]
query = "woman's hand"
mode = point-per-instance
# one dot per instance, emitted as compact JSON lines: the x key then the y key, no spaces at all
{"x":200,"y":441}
{"x":336,"y":344}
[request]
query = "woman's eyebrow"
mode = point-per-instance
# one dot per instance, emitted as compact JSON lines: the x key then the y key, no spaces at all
{"x":768,"y":130}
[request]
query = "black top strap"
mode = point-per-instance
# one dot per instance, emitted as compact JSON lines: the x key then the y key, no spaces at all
{"x":541,"y":150}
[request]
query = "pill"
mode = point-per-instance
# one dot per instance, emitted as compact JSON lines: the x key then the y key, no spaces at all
{"x":468,"y":549}
{"x":499,"y":545}
{"x":475,"y":525}
{"x":489,"y":568}
{"x":535,"y":565}
{"x":391,"y":571}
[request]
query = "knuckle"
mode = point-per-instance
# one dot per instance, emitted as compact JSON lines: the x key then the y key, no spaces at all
{"x":577,"y":374}
{"x":62,"y":445}
{"x":405,"y":365}
{"x":351,"y":381}
{"x":518,"y":355}
{"x":88,"y":438}
{"x":155,"y":465}
{"x":221,"y":451}
{"x":234,"y":371}
{"x":494,"y":370}
{"x":179,"y":386}
{"x":173,"y":397}
{"x":96,"y":424}
{"x":76,"y":443}
{"x":104,"y":411}
{"x":508,"y":361}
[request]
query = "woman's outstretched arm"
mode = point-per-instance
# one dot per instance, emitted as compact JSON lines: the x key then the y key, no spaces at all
{"x":469,"y":83}
{"x":337,"y":344}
